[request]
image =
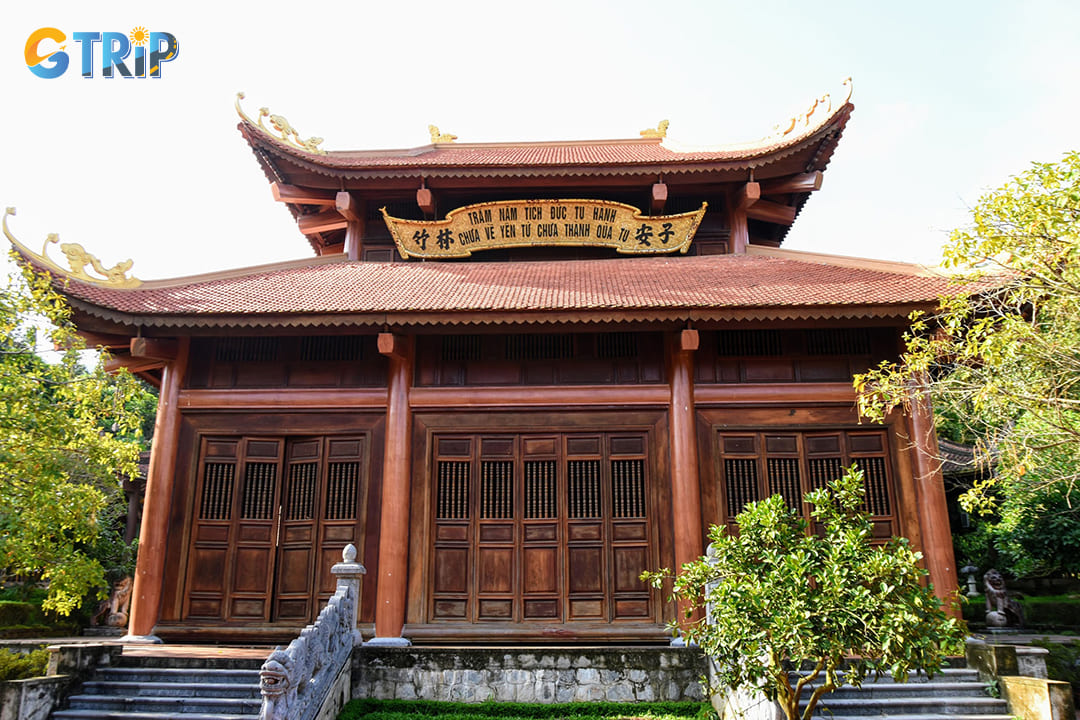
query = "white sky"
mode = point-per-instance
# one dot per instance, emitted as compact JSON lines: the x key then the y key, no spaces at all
{"x":951,"y":97}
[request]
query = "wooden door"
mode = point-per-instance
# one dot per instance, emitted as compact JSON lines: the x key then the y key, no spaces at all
{"x":271,"y":517}
{"x":540,"y":528}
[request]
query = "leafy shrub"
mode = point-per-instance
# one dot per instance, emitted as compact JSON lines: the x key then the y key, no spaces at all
{"x":19,"y":666}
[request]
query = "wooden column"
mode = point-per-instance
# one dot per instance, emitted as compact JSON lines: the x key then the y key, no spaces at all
{"x":355,"y":212}
{"x":685,"y":484}
{"x":391,"y":583}
{"x":150,"y":566}
{"x":738,"y":203}
{"x":930,"y":497}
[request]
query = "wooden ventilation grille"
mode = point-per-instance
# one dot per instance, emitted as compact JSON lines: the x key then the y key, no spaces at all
{"x":876,"y":484}
{"x":541,"y":499}
{"x":824,"y":470}
{"x":260,"y":480}
{"x":613,"y":346}
{"x":539,"y":347}
{"x":784,"y":480}
{"x":254,"y":349}
{"x":332,"y":348}
{"x":461,"y":348}
{"x":496,"y":489}
{"x":342,"y":479}
{"x":452,"y":501}
{"x":838,"y":341}
{"x":741,"y":343}
{"x":740,"y":475}
{"x":300,"y":491}
{"x":583,"y":478}
{"x":217,"y":491}
{"x":628,"y":488}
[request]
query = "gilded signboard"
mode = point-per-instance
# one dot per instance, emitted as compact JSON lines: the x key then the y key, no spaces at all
{"x":529,"y":223}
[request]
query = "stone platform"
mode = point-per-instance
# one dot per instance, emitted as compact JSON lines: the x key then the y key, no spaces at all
{"x":548,"y":674}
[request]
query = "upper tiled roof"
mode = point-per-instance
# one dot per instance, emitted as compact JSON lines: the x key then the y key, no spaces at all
{"x":594,"y":157}
{"x":764,"y":284}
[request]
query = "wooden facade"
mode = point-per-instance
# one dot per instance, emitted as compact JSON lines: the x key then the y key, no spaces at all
{"x":511,"y":439}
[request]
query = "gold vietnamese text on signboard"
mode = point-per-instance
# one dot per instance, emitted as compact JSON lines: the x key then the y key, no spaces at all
{"x":530,"y":223}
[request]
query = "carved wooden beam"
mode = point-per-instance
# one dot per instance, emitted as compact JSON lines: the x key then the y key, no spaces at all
{"x":771,"y":212}
{"x":134,"y":365}
{"x":747,"y":195}
{"x":162,"y":349}
{"x":321,"y":222}
{"x":659,"y":198}
{"x":301,"y":196}
{"x":806,"y":182}
{"x":104,"y":340}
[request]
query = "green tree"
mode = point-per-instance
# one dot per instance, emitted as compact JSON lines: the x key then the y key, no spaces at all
{"x":1001,"y":361}
{"x":778,"y":598}
{"x":67,"y":435}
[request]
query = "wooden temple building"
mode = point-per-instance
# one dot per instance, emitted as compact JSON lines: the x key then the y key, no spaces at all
{"x":515,"y":376}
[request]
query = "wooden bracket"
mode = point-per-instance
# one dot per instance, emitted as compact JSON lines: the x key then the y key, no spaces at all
{"x":301,"y":196}
{"x":771,"y":212}
{"x":747,"y":195}
{"x":806,"y":182}
{"x":426,"y":200}
{"x":324,"y":221}
{"x":162,"y":349}
{"x":392,"y":345}
{"x":689,"y":340}
{"x":659,"y":198}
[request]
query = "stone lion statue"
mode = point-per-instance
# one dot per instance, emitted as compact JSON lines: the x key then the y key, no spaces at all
{"x":1002,"y":610}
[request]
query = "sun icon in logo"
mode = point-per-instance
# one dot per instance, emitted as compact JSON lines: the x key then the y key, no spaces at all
{"x":139,"y":36}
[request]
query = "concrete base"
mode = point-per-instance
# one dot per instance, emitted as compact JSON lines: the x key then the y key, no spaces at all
{"x":388,"y":642}
{"x":141,"y":640}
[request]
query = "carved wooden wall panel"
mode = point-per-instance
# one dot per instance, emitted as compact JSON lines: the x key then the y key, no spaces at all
{"x":546,"y":527}
{"x":273,"y":515}
{"x":753,"y":465}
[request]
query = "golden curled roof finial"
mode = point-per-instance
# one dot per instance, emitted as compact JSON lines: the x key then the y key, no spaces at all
{"x":438,"y":137}
{"x":78,"y":260}
{"x":660,"y":131}
{"x":285,"y":132}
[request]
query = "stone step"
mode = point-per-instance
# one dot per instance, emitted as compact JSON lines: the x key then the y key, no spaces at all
{"x":177,"y":675}
{"x":169,"y":705}
{"x":893,"y":706}
{"x":112,"y":715}
{"x":135,"y":688}
{"x":208,"y":663}
{"x":871,"y":690}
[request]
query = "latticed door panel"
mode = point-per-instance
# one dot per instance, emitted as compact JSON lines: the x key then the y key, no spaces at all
{"x":754,"y":465}
{"x":546,"y":528}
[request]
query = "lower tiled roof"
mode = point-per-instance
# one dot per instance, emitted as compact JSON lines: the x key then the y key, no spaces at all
{"x":778,"y":284}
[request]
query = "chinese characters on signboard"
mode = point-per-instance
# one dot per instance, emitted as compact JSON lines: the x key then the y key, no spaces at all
{"x":525,"y":223}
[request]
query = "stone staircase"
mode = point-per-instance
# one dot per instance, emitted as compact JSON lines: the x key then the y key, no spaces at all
{"x":954,"y":694}
{"x":169,"y":687}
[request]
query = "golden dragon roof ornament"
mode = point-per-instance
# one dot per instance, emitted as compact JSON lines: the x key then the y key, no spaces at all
{"x":78,"y":261}
{"x":810,"y":117}
{"x":284,"y":129}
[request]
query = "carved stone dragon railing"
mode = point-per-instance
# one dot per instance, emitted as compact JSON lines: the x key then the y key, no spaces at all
{"x":298,"y":680}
